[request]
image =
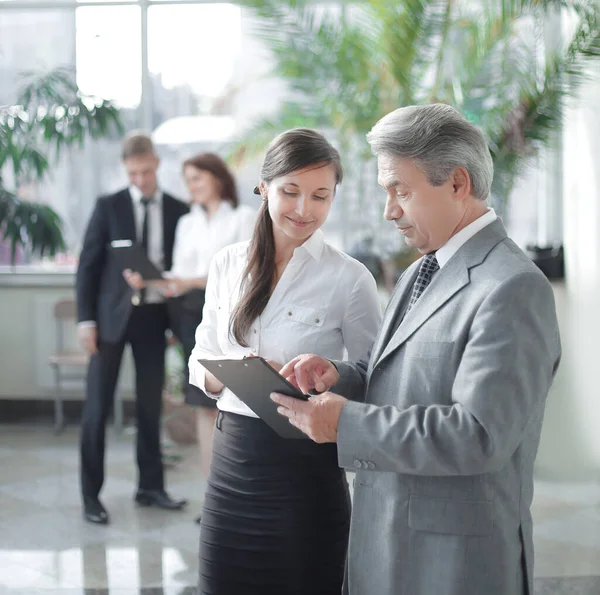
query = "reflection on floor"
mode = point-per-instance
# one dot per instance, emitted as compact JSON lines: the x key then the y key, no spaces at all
{"x":46,"y":547}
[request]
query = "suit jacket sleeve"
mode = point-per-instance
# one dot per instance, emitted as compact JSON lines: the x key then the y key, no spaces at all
{"x":500,"y":388}
{"x":353,"y":379}
{"x":91,"y":263}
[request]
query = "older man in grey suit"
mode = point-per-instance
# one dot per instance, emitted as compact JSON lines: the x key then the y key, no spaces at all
{"x":443,"y":421}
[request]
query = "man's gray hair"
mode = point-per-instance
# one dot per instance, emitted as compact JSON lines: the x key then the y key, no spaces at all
{"x":438,"y":139}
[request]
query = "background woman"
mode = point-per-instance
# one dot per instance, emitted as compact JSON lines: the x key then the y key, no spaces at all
{"x":216,"y":220}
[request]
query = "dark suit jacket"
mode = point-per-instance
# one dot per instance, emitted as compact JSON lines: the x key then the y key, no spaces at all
{"x":102,"y":293}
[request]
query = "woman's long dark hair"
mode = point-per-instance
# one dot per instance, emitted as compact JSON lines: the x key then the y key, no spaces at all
{"x":218,"y":168}
{"x":293,"y":150}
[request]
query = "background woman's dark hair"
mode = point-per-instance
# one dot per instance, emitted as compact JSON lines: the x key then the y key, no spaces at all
{"x":293,"y":150}
{"x":218,"y":168}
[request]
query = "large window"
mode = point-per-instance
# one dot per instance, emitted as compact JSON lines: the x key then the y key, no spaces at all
{"x":109,"y":48}
{"x":187,"y":72}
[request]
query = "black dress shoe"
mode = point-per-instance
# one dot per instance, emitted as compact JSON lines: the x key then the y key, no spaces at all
{"x":94,"y":512}
{"x":158,"y":498}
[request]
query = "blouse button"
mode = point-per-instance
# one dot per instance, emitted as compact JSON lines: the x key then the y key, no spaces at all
{"x":254,"y":331}
{"x":289,"y":313}
{"x":317,"y":320}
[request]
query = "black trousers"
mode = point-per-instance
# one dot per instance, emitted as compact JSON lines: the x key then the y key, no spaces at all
{"x":146,"y":334}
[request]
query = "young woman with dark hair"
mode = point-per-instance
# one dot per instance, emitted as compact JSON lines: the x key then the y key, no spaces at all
{"x":276,"y":511}
{"x":216,"y":220}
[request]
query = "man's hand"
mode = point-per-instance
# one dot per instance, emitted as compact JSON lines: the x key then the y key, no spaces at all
{"x":318,"y":417}
{"x":310,"y":372}
{"x":134,"y":280}
{"x":88,"y":339}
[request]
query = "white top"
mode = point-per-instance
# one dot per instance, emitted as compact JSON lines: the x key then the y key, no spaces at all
{"x":449,"y":249}
{"x":325,"y":302}
{"x":199,"y":237}
{"x":155,"y":233}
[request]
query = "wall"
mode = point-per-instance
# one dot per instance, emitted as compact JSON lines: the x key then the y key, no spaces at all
{"x":28,"y":336}
{"x":570,"y":446}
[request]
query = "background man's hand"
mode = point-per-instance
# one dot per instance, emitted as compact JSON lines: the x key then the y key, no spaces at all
{"x":134,"y":280}
{"x":310,"y":372}
{"x":88,"y":339}
{"x":318,"y":417}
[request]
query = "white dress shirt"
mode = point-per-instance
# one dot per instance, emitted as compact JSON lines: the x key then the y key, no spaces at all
{"x":155,"y":233}
{"x":324,"y":303}
{"x":449,"y":249}
{"x":199,"y":237}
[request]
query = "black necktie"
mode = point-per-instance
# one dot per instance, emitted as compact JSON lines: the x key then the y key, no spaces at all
{"x":429,"y":265}
{"x":145,"y":238}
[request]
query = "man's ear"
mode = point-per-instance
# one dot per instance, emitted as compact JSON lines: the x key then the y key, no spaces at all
{"x":461,"y":183}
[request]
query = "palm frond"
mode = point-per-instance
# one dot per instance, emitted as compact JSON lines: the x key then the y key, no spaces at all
{"x":29,"y":225}
{"x":255,"y":139}
{"x":49,"y":115}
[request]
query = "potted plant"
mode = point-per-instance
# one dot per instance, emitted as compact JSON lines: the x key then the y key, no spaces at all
{"x":348,"y":66}
{"x":49,"y":115}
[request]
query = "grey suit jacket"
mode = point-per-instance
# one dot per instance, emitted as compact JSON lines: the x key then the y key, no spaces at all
{"x":444,"y":428}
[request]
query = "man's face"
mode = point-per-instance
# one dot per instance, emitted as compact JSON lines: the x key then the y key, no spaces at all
{"x":141,"y":171}
{"x":427,"y":216}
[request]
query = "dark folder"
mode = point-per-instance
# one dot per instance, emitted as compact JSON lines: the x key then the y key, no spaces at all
{"x":132,"y":256}
{"x":252,"y":380}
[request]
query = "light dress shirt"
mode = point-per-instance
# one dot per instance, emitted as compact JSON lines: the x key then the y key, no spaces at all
{"x":155,"y":233}
{"x":324,"y":303}
{"x":199,"y":237}
{"x":449,"y":249}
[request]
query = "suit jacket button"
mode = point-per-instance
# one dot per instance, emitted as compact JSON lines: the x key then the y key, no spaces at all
{"x":357,"y":463}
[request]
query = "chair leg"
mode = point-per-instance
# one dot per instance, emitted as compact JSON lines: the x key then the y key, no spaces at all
{"x":118,"y":412}
{"x":59,"y":417}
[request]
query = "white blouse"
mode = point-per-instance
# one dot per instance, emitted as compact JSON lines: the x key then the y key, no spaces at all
{"x":324,"y":303}
{"x":198,"y":237}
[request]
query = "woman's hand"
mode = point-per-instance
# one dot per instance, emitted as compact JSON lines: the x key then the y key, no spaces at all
{"x":211,"y":384}
{"x":275,"y":365}
{"x":176,"y":286}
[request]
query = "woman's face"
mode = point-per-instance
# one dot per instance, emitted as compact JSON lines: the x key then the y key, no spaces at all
{"x":299,"y":202}
{"x":203,"y":187}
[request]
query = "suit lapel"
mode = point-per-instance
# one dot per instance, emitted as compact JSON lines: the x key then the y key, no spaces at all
{"x":446,"y":283}
{"x":125,"y":204}
{"x":451,"y":279}
{"x":399,"y":296}
{"x":169,"y":222}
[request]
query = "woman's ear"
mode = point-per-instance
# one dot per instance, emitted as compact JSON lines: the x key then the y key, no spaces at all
{"x":263,"y":190}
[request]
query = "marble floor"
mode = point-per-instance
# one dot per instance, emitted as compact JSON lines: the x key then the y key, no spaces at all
{"x":46,"y":548}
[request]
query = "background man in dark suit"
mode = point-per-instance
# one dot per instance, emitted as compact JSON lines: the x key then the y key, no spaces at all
{"x":112,"y":314}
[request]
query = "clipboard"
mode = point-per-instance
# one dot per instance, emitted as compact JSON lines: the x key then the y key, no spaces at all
{"x":252,"y":380}
{"x":132,"y":256}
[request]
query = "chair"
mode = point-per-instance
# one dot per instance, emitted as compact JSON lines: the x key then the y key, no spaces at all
{"x":64,"y":356}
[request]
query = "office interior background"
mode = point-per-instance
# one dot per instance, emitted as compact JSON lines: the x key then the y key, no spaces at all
{"x":198,"y":76}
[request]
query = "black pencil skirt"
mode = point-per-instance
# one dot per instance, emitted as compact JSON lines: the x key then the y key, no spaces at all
{"x":276,"y":514}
